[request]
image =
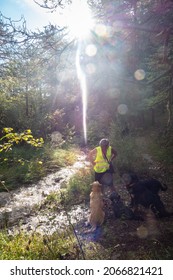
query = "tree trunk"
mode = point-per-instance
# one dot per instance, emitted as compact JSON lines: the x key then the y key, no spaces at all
{"x":26,"y":102}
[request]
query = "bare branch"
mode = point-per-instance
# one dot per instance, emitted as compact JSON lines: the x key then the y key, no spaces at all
{"x":53,"y":4}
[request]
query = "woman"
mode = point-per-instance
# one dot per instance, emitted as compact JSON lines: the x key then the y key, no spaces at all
{"x":101,"y":159}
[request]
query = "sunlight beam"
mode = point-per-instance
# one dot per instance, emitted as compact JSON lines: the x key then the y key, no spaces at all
{"x":82,"y":80}
{"x":79,"y":22}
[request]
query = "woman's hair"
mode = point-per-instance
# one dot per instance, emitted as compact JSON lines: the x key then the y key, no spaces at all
{"x":104,"y":142}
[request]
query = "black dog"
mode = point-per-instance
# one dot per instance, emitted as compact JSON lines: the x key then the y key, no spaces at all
{"x":120,"y":210}
{"x":145,"y":192}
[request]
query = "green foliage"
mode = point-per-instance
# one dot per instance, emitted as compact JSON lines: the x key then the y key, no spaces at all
{"x":78,"y":188}
{"x":55,"y":121}
{"x":37,"y":247}
{"x":21,"y":165}
{"x":58,"y":246}
{"x":27,"y":164}
{"x":61,"y":157}
{"x":129,"y":153}
{"x":19,"y":159}
{"x":10,"y":138}
{"x":33,"y":93}
{"x":162,"y":152}
{"x":95,"y":132}
{"x":53,"y":197}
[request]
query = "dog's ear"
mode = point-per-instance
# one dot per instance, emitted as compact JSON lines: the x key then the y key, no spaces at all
{"x":96,"y":183}
{"x":99,"y":183}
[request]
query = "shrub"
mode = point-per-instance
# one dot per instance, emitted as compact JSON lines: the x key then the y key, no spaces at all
{"x":129,"y":154}
{"x":78,"y":187}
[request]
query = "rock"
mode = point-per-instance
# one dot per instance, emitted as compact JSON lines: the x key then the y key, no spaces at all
{"x":4,"y":198}
{"x":58,"y":179}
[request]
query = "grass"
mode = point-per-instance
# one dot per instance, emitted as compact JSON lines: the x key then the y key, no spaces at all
{"x":59,"y":246}
{"x":25,"y":164}
{"x":62,"y":157}
{"x":64,"y":245}
{"x":78,"y":187}
{"x":35,"y":246}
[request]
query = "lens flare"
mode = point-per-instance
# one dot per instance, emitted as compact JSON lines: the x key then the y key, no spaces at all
{"x":80,"y":24}
{"x":122,"y":109}
{"x":101,"y":30}
{"x":91,"y":50}
{"x":139,"y":74}
{"x":142,"y":232}
{"x":82,"y":79}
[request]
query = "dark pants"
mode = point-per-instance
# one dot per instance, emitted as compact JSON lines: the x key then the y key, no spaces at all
{"x":105,"y":178}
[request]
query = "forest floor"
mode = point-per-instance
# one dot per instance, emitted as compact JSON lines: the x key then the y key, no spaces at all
{"x":116,"y":239}
{"x":136,"y":240}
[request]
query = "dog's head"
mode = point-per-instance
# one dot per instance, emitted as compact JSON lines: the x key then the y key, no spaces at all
{"x":96,"y":186}
{"x":114,"y":197}
{"x":129,"y":179}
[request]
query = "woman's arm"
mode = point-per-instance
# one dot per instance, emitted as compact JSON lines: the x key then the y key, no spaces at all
{"x":113,"y":154}
{"x":92,"y":156}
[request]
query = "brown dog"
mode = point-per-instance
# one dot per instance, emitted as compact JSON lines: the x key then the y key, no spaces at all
{"x":97,"y":214}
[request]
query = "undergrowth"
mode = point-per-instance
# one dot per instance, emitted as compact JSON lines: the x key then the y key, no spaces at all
{"x":129,"y":152}
{"x":25,"y":164}
{"x":65,"y":245}
{"x":58,"y":246}
{"x":78,"y":188}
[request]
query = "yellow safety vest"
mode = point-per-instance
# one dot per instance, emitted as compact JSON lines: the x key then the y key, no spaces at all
{"x":101,"y":163}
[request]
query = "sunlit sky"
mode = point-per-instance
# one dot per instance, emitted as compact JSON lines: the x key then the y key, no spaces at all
{"x":76,"y":16}
{"x":36,"y":17}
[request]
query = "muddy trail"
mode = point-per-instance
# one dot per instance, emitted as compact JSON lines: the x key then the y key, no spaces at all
{"x":23,"y":209}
